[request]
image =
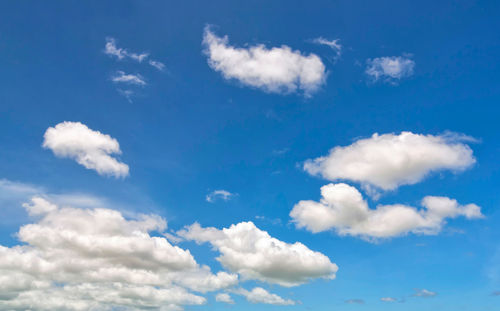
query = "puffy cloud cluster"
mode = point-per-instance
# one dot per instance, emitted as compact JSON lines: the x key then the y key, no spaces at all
{"x":254,"y":254}
{"x":389,"y":160}
{"x":86,"y":259}
{"x":277,"y":70}
{"x":391,"y":69}
{"x":343,"y":208}
{"x":260,"y":295}
{"x":90,"y":148}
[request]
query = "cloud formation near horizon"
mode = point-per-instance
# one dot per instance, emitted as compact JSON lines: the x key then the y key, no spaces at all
{"x":274,"y":70}
{"x":89,"y":148}
{"x":86,"y":259}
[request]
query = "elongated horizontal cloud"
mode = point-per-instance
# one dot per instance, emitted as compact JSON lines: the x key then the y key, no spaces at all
{"x":389,"y":161}
{"x":343,"y":209}
{"x":260,"y":295}
{"x":424,"y":293}
{"x":390,"y":68}
{"x":122,"y":77}
{"x":95,"y":259}
{"x":87,"y":147}
{"x":224,"y":297}
{"x":254,"y":254}
{"x":276,"y":70}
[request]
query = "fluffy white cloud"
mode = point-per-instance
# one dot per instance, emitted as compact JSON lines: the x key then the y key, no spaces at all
{"x":254,"y":254}
{"x":278,"y":70}
{"x":122,"y":77}
{"x":343,"y":208}
{"x":391,"y":69}
{"x":92,"y":149}
{"x":83,"y":259}
{"x":388,"y":161}
{"x":219,"y":194}
{"x":260,"y":295}
{"x":224,"y":297}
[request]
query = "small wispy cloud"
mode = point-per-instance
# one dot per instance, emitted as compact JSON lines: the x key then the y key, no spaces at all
{"x":219,"y":194}
{"x":390,"y":69}
{"x":355,"y":301}
{"x":113,"y":50}
{"x":122,"y":77}
{"x":424,"y":293}
{"x":333,"y":44}
{"x":388,"y":299}
{"x":158,"y":65}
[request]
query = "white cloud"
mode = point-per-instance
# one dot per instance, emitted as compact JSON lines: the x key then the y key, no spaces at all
{"x":158,"y":65}
{"x":92,"y":149}
{"x":89,"y":259}
{"x":224,"y":297}
{"x":389,"y":161}
{"x":424,"y":293}
{"x":122,"y":77}
{"x":343,"y":208}
{"x":219,"y":194}
{"x":277,"y":70}
{"x":254,"y":254}
{"x":391,"y":69}
{"x":388,"y":299}
{"x":112,"y":50}
{"x":333,"y":44}
{"x":355,"y":301}
{"x":260,"y":295}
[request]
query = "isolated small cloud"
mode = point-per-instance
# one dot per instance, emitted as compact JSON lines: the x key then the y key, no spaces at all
{"x":112,"y":50}
{"x":260,"y":295}
{"x":219,"y":194}
{"x":424,"y":293}
{"x":388,"y":299}
{"x":87,"y":147}
{"x":343,"y":209}
{"x":388,"y":161}
{"x":158,"y":65}
{"x":333,"y":44}
{"x":255,"y":255}
{"x":355,"y":301}
{"x":275,"y":70}
{"x":134,"y":79}
{"x":390,"y":69}
{"x":224,"y":297}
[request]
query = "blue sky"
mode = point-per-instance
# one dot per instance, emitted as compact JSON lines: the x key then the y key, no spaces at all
{"x":211,"y":121}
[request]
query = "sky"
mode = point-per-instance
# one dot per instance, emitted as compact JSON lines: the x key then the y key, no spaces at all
{"x":225,"y":155}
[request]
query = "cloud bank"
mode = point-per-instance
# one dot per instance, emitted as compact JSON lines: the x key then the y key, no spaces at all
{"x":95,"y":259}
{"x":87,"y":147}
{"x":275,"y":70}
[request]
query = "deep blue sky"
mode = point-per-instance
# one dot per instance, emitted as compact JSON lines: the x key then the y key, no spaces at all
{"x":190,"y":131}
